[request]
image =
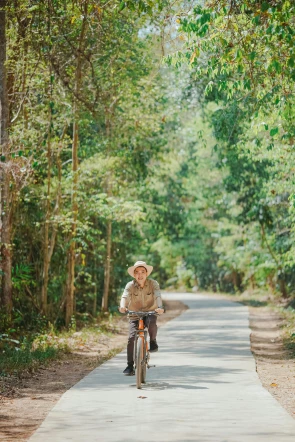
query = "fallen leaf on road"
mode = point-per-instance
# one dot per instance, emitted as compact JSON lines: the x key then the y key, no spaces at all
{"x":273,"y":384}
{"x":142,"y":397}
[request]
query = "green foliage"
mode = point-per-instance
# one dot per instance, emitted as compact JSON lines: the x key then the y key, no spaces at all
{"x":243,"y":63}
{"x":191,"y":163}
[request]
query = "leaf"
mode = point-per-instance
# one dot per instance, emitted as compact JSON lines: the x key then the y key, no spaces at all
{"x":275,"y":65}
{"x":256,"y":20}
{"x":273,"y":384}
{"x":265,"y":6}
{"x":274,"y":131}
{"x":131,"y":5}
{"x":142,"y":397}
{"x":122,"y":6}
{"x":194,"y":55}
{"x":239,"y":54}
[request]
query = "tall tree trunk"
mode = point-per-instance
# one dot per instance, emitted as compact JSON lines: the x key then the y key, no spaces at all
{"x":107,"y":268}
{"x":6,"y":252}
{"x":94,"y":306}
{"x":47,"y":221}
{"x":49,"y":241}
{"x":5,"y":202}
{"x":70,"y":286}
{"x":72,"y":248}
{"x":45,"y":274}
{"x":107,"y":265}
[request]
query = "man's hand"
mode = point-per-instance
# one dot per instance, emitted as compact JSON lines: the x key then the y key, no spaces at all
{"x":160,"y":311}
{"x":122,"y":309}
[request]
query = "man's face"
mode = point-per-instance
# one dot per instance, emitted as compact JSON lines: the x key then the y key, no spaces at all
{"x":140,"y":275}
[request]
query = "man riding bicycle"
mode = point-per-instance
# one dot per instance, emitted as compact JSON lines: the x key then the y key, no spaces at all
{"x":141,"y":294}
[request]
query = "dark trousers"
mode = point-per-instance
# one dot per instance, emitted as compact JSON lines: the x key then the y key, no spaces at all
{"x":151,"y":323}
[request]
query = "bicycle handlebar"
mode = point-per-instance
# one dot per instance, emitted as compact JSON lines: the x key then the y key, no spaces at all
{"x":153,"y":312}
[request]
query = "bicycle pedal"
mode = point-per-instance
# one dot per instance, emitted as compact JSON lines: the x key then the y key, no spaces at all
{"x":150,"y":366}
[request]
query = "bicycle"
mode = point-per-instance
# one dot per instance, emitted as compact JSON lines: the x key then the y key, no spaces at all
{"x":141,"y":348}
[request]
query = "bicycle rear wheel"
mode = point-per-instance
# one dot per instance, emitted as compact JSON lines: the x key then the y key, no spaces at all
{"x":139,"y":362}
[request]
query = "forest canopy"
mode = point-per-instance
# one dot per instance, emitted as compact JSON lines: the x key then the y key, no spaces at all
{"x":152,"y":130}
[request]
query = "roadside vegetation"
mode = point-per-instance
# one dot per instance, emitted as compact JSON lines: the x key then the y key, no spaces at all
{"x":151,"y":130}
{"x":37,"y":349}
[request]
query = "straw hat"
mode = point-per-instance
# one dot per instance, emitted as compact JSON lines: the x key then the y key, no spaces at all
{"x":149,"y":269}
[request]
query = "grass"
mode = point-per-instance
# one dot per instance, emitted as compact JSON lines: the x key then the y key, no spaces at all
{"x":14,"y":360}
{"x":30,"y":352}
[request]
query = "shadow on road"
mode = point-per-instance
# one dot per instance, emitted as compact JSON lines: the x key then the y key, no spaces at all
{"x":155,"y":386}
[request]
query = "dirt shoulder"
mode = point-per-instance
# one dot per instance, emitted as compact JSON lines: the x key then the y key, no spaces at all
{"x":27,"y":399}
{"x":275,"y":364}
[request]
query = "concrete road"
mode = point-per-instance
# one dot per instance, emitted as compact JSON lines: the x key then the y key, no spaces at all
{"x":204,"y":388}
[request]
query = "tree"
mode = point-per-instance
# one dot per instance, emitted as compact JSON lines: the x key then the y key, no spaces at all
{"x":6,"y":202}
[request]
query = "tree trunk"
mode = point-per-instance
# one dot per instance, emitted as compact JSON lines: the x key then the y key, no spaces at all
{"x":94,"y":306}
{"x":72,"y":247}
{"x":253,"y":283}
{"x":6,"y":252}
{"x":271,"y":283}
{"x":70,"y":286}
{"x":47,"y":220}
{"x":107,"y":269}
{"x":235,"y":279}
{"x":5,"y":197}
{"x":283,"y":288}
{"x":49,"y":244}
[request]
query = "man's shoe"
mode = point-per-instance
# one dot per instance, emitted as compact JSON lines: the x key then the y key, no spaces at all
{"x":153,"y":346}
{"x":129,"y":370}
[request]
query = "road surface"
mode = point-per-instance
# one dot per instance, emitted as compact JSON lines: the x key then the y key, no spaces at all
{"x":204,"y":388}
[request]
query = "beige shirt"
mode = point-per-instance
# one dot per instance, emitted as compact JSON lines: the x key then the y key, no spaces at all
{"x":146,"y":298}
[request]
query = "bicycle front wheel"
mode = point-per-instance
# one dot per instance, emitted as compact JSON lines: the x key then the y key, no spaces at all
{"x":139,"y":362}
{"x":144,"y":364}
